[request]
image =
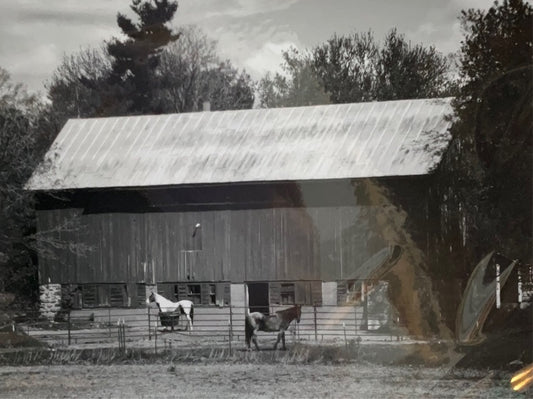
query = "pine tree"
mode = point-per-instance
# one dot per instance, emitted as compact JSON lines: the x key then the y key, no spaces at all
{"x":132,"y":83}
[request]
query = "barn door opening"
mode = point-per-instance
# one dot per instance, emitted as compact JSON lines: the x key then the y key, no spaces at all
{"x":258,"y":297}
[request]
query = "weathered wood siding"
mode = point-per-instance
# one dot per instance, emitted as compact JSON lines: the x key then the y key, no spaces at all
{"x":308,"y":231}
{"x":266,"y":244}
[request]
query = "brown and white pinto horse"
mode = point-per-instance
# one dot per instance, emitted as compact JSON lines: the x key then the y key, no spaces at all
{"x":280,"y":321}
{"x":168,"y":310}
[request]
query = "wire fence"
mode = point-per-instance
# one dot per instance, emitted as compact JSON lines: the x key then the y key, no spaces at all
{"x":212,"y":327}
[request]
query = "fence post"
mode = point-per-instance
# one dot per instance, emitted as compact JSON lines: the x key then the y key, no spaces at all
{"x":314,"y":314}
{"x":229,"y":335}
{"x":109,"y":320}
{"x":498,"y":300}
{"x":520,"y":297}
{"x":149,"y":325}
{"x":68,"y":326}
{"x":121,"y":331}
{"x":364,"y":294}
{"x":155,"y":338}
{"x":344,"y":329}
{"x":231,"y":319}
{"x":355,"y":319}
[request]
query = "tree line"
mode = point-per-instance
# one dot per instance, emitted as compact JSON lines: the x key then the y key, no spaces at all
{"x":485,"y":177}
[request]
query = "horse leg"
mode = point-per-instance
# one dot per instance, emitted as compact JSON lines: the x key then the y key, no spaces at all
{"x":277,"y":341}
{"x":189,"y":323}
{"x":254,"y":339}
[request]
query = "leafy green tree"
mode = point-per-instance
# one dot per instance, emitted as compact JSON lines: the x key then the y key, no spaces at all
{"x":355,"y":68}
{"x":298,"y":85}
{"x":190,"y":72}
{"x":134,"y":60}
{"x":77,"y":86}
{"x":18,"y":156}
{"x":347,"y":66}
{"x":405,"y":71}
{"x":486,"y":177}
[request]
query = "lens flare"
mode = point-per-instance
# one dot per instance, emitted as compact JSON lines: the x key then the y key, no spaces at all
{"x":523,"y":379}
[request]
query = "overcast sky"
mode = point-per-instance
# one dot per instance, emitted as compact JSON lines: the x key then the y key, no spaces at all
{"x":35,"y":34}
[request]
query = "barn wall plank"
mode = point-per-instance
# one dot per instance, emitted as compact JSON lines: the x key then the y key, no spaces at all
{"x":265,"y":244}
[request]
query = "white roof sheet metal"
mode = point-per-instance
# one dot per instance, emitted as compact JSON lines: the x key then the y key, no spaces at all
{"x":393,"y":138}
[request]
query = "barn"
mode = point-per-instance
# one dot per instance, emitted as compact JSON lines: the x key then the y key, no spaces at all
{"x":254,"y":208}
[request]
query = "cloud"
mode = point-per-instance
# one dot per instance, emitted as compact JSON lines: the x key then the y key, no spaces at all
{"x":267,"y":59}
{"x":34,"y":34}
{"x":246,"y":8}
{"x":255,"y":47}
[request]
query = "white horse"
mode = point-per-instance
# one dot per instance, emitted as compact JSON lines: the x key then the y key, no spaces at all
{"x":166,"y":306}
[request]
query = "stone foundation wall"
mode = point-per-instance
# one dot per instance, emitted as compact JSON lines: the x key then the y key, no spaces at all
{"x":50,"y":298}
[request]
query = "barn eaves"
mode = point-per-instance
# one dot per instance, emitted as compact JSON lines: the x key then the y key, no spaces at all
{"x":378,"y":139}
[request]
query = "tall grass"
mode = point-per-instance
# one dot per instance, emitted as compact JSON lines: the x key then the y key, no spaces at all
{"x":297,"y":354}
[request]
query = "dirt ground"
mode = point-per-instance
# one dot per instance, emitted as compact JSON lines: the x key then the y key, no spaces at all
{"x":230,"y":380}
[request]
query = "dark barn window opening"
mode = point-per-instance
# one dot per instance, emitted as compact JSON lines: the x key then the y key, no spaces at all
{"x":258,"y":300}
{"x":194,"y":293}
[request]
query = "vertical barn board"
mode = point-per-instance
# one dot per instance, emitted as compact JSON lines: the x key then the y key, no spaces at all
{"x":173,"y":250}
{"x":91,"y":273}
{"x":223,"y":294}
{"x":220,"y":241}
{"x":342,"y":288}
{"x":227,"y":234}
{"x":140,"y":295}
{"x":266,"y":229}
{"x":139,"y":249}
{"x":326,"y":223}
{"x":299,"y":256}
{"x":114,"y":265}
{"x":280,"y":242}
{"x":65,"y":261}
{"x":254,"y":271}
{"x":238,"y":246}
{"x":42,"y":225}
{"x":274,"y":293}
{"x":227,"y":294}
{"x":302,"y":292}
{"x":102,"y":230}
{"x":316,"y":293}
{"x":204,"y":294}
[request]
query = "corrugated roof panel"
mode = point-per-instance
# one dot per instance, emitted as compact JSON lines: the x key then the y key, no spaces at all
{"x":391,"y":138}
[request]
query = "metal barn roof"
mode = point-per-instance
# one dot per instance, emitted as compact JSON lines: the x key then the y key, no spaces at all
{"x":393,"y":138}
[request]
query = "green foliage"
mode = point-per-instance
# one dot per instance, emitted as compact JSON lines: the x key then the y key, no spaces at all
{"x":355,"y":68}
{"x":299,"y":85}
{"x":78,"y":85}
{"x":486,"y":176}
{"x":19,"y":153}
{"x":188,"y":72}
{"x":191,"y":73}
{"x":406,"y":71}
{"x":348,"y":66}
{"x":131,"y":79}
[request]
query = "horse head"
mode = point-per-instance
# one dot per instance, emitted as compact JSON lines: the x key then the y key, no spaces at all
{"x":153,"y":298}
{"x":298,"y":312}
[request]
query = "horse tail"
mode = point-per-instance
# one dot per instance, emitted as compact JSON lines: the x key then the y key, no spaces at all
{"x":248,"y":329}
{"x":191,"y":314}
